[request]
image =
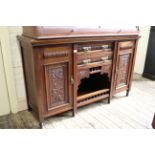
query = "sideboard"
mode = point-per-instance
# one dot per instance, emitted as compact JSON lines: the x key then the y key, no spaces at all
{"x":69,"y":67}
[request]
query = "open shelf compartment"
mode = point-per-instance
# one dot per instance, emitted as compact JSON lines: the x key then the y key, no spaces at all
{"x":94,"y":88}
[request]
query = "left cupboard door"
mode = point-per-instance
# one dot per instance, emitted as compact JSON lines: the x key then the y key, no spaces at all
{"x":58,"y":77}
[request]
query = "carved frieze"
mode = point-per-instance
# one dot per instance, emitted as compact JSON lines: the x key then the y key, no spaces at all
{"x":50,"y":54}
{"x":54,"y":52}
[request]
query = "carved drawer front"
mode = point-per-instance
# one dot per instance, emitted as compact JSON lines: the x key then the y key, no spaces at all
{"x":56,"y":52}
{"x":57,"y":85}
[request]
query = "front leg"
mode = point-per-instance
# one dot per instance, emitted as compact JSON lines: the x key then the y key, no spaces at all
{"x":109,"y":99}
{"x":127,"y":92}
{"x":41,"y":125}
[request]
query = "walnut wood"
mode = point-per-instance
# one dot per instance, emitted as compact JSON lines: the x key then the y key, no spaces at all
{"x":133,"y":64}
{"x":44,"y":32}
{"x":57,"y":61}
{"x":123,"y":66}
{"x":92,"y":94}
{"x":113,"y":71}
{"x":92,"y":100}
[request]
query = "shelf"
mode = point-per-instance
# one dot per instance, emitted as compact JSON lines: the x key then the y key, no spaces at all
{"x":92,"y":99}
{"x":81,"y":97}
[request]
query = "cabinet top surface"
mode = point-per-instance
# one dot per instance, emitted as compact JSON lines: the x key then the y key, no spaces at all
{"x":49,"y":32}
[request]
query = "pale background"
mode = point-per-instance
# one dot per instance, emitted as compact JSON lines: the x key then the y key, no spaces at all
{"x":17,"y":100}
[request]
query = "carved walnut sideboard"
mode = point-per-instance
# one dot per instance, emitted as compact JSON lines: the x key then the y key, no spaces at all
{"x":69,"y":67}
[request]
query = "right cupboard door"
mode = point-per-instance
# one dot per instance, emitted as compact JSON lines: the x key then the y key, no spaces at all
{"x":124,"y":62}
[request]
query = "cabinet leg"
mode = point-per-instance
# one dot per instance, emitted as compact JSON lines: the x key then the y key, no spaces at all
{"x":29,"y":108}
{"x":153,"y":122}
{"x":109,"y":99}
{"x":127,"y":92}
{"x":41,"y":125}
{"x":73,"y":112}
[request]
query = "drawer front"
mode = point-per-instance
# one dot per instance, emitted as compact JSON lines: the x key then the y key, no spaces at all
{"x":126,"y":45}
{"x":90,"y":53}
{"x":94,"y":56}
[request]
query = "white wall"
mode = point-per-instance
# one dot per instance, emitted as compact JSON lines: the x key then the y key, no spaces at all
{"x":4,"y":99}
{"x":142,"y":49}
{"x":17,"y":66}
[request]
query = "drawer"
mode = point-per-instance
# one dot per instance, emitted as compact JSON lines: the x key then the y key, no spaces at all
{"x":94,"y":52}
{"x":126,"y":44}
{"x":94,"y":46}
{"x":93,"y":56}
{"x":56,"y":51}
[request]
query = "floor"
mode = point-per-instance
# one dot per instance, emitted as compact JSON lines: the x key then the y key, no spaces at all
{"x":133,"y":112}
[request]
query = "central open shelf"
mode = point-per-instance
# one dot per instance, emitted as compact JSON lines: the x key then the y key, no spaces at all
{"x":94,"y":83}
{"x":94,"y":88}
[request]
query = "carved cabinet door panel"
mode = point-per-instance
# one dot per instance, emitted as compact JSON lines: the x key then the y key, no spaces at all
{"x":124,"y":63}
{"x":57,"y":79}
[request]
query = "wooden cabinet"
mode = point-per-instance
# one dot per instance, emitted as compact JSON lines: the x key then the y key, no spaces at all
{"x":69,"y":67}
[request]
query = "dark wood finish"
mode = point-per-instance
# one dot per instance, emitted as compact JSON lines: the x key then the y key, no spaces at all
{"x":67,"y":67}
{"x":44,"y":32}
{"x":124,"y":61}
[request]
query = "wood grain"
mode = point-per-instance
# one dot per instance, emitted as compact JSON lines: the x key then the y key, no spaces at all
{"x":60,"y":66}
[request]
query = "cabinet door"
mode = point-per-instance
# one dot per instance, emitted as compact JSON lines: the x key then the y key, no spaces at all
{"x":57,"y":78}
{"x":124,"y":64}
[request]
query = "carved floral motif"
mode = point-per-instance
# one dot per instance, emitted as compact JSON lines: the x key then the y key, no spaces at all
{"x":56,"y":86}
{"x":123,"y":69}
